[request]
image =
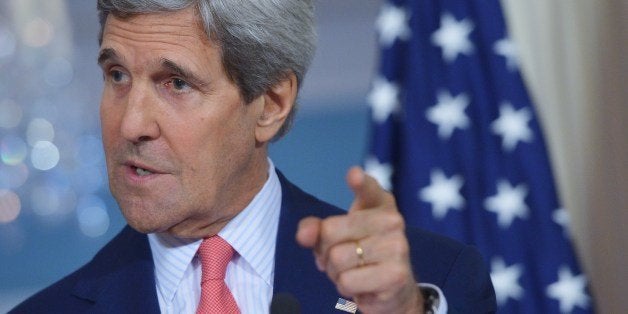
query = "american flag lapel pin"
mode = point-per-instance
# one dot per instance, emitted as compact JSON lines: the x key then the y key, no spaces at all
{"x":346,"y":305}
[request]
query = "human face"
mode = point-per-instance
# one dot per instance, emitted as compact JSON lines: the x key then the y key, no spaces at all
{"x":179,"y":140}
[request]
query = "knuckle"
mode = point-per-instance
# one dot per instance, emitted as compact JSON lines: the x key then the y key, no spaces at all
{"x":343,"y":284}
{"x":332,"y":274}
{"x":394,"y":221}
{"x":399,"y":248}
{"x":398,"y":275}
{"x":329,"y":227}
{"x":325,"y":228}
{"x":335,"y":256}
{"x":353,"y":220}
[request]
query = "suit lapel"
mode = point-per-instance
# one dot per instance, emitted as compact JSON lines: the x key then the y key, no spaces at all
{"x":120,"y":279}
{"x":295,"y":270}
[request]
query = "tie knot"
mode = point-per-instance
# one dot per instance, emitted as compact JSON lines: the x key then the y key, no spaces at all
{"x":214,"y":253}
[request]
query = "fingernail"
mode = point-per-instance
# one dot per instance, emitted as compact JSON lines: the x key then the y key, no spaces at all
{"x":319,"y":264}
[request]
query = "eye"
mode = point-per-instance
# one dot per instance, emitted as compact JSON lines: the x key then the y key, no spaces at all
{"x":117,"y":76}
{"x":179,"y":84}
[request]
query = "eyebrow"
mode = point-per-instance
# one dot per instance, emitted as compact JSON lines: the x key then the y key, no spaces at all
{"x":106,"y":55}
{"x":182,"y":71}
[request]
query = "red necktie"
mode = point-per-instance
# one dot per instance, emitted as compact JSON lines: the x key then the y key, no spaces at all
{"x":215,"y":253}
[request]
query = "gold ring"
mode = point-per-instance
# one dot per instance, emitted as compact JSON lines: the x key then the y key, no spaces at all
{"x":359,"y":251}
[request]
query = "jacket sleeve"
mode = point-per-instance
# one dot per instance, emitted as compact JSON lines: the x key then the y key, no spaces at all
{"x":468,"y":287}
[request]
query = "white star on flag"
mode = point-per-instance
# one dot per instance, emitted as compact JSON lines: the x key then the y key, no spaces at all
{"x":505,"y":280}
{"x":507,"y":49}
{"x":508,"y":203}
{"x":569,"y":290}
{"x":561,"y":217}
{"x":443,"y":193}
{"x":453,"y":37}
{"x":380,"y":171}
{"x":448,"y":113}
{"x":512,"y":126}
{"x":392,"y":23}
{"x":383,"y":99}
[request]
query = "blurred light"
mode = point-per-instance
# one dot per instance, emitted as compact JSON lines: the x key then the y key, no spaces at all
{"x":58,"y":72}
{"x":37,"y":33}
{"x":7,"y":42}
{"x":9,"y":206}
{"x":39,"y":130}
{"x":92,"y":216}
{"x":10,"y":114}
{"x":45,"y":155}
{"x":89,"y":174}
{"x":93,"y":221}
{"x":88,"y":179}
{"x":45,"y":200}
{"x":51,"y":196}
{"x":90,"y":151}
{"x":68,"y":201}
{"x":12,"y":239}
{"x":45,"y":108}
{"x":12,"y":177}
{"x":90,"y":200}
{"x":13,"y":150}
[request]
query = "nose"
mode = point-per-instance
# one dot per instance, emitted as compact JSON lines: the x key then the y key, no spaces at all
{"x":139,"y":123}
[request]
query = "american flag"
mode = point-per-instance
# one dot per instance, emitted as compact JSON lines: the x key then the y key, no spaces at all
{"x":455,"y":137}
{"x":346,"y":305}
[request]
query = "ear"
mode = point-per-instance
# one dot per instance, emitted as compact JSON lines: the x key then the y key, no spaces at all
{"x":278,"y":101}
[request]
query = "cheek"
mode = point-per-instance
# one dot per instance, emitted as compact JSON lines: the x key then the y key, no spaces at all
{"x":109,"y":115}
{"x":214,"y":151}
{"x":110,"y":132}
{"x":106,"y":124}
{"x":214,"y":136}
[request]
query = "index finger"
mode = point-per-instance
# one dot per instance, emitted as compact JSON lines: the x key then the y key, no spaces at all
{"x":368,"y":193}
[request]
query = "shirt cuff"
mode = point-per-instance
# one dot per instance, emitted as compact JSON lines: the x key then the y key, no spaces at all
{"x":439,"y":305}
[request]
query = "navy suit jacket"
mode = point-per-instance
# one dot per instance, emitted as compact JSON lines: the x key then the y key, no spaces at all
{"x":120,"y":278}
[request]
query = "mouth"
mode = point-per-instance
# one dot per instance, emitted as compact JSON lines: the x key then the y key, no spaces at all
{"x":141,"y":171}
{"x":139,"y":174}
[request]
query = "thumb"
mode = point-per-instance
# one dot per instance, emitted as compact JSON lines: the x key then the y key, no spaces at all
{"x":308,"y":232}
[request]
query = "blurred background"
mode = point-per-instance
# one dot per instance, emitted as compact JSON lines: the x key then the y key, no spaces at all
{"x":56,"y":211}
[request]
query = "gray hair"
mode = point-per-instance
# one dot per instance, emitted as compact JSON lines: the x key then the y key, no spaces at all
{"x":261,"y":41}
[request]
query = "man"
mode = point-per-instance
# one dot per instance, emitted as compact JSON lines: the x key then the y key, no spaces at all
{"x":194,"y":92}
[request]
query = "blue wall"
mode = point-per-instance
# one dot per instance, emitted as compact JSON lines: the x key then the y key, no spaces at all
{"x":320,"y":149}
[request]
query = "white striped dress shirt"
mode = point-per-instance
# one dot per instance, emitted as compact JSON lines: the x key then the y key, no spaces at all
{"x":250,"y":273}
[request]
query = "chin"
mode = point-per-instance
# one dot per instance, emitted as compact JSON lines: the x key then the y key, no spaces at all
{"x":142,"y":220}
{"x":142,"y":226}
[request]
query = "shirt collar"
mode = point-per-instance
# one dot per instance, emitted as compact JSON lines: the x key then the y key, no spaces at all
{"x":171,"y":256}
{"x":252,"y":234}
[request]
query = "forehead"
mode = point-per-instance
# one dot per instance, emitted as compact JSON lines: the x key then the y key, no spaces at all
{"x":146,"y":35}
{"x":185,"y":22}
